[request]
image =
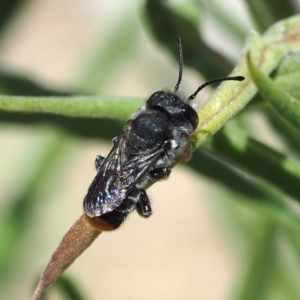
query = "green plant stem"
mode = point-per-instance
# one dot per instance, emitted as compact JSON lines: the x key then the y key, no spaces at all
{"x":79,"y":106}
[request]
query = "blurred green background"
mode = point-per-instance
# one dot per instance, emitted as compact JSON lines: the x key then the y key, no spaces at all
{"x":226,"y":226}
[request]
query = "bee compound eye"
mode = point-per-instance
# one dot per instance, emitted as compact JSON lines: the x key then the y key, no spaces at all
{"x":191,"y":115}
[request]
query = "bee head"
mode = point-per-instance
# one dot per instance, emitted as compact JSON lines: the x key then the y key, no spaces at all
{"x":180,"y":113}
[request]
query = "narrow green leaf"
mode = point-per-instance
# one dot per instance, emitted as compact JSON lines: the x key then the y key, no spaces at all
{"x":288,"y":73}
{"x":258,"y":159}
{"x":99,"y":64}
{"x":286,"y":106}
{"x":79,"y":106}
{"x":225,"y":19}
{"x":85,"y":128}
{"x":266,"y":12}
{"x":247,"y":217}
{"x":291,"y":230}
{"x":258,"y":263}
{"x":246,"y":197}
{"x":69,"y":288}
{"x":13,"y":84}
{"x":246,"y":210}
{"x":288,"y":135}
{"x":247,"y":193}
{"x":270,"y":267}
{"x":16,"y":218}
{"x":7,"y":10}
{"x":189,"y":10}
{"x":286,"y":76}
{"x":286,"y":278}
{"x":207,"y":163}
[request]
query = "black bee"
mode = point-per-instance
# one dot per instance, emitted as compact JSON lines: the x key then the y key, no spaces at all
{"x":154,"y":138}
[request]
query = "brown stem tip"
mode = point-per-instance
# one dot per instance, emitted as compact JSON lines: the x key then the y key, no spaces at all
{"x":78,"y":238}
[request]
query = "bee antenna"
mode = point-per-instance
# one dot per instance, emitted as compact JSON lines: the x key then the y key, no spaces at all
{"x":237,"y":78}
{"x":180,"y":57}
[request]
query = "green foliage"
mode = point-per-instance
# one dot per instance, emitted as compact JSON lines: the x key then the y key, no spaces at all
{"x":258,"y":181}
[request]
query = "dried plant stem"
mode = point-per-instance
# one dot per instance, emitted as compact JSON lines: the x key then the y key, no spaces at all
{"x":78,"y":238}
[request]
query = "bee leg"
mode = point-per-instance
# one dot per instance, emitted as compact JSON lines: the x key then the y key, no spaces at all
{"x":160,"y":173}
{"x":99,"y":161}
{"x":115,"y":140}
{"x":143,"y":205}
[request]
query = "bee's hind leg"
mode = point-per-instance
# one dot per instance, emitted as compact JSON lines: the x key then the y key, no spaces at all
{"x":141,"y":199}
{"x":160,"y":173}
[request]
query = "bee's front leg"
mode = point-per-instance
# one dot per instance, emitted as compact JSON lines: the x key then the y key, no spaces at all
{"x":99,"y":161}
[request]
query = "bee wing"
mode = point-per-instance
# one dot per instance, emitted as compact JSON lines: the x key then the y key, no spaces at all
{"x":117,"y":177}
